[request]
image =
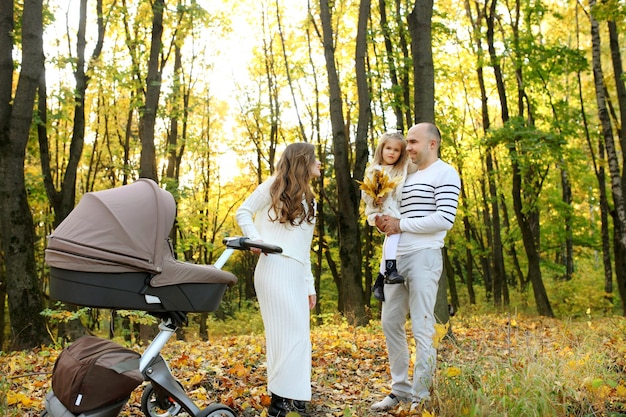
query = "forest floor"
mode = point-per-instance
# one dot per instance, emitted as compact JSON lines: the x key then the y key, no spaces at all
{"x":493,"y":365}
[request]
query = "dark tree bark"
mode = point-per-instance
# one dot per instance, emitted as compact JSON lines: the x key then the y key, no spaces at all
{"x":420,"y":28}
{"x":147,"y":166}
{"x":364,"y":109}
{"x":396,"y":89}
{"x":16,"y":223}
{"x":528,"y":221}
{"x":350,"y":287}
{"x":64,"y":199}
{"x":363,"y":92}
{"x":3,"y":294}
{"x":619,"y":187}
{"x":405,"y":68}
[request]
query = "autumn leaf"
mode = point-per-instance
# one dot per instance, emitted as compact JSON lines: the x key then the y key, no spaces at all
{"x":350,"y":368}
{"x":378,"y":184}
{"x":441,"y":330}
{"x":452,"y":371}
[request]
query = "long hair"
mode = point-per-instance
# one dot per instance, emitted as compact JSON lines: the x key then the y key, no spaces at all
{"x":402,"y":161}
{"x":293,"y":200}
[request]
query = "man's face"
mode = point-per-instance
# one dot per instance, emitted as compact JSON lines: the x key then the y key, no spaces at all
{"x":418,"y":145}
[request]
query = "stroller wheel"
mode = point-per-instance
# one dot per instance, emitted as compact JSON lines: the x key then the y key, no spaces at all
{"x":154,"y":404}
{"x":217,"y":410}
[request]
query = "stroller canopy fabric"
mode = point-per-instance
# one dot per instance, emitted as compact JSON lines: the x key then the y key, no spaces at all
{"x":125,"y":229}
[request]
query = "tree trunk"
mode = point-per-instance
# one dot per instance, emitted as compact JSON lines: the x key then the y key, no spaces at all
{"x":618,"y":74}
{"x":3,"y":295}
{"x":147,"y":168}
{"x":567,"y":253}
{"x":454,"y":295}
{"x":527,"y":225}
{"x":527,"y":221}
{"x":396,"y":90}
{"x":500,"y":282}
{"x":469,"y":260}
{"x":64,"y":200}
{"x":620,"y":269}
{"x":350,"y":291}
{"x":405,"y":68}
{"x":28,"y":327}
{"x":495,"y":61}
{"x":617,"y":188}
{"x":603,"y":199}
{"x":320,"y":225}
{"x":420,"y":28}
{"x":442,"y":307}
{"x":363,"y":92}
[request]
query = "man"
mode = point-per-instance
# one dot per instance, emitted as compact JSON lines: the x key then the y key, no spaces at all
{"x":428,"y":208}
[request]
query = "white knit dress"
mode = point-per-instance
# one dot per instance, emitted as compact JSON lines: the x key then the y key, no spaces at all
{"x":283,"y":283}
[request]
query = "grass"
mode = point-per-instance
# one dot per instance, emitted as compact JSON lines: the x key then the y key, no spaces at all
{"x":501,"y":365}
{"x":496,"y":364}
{"x":534,"y":367}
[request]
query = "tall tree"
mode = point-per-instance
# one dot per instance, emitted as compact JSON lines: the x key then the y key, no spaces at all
{"x":148,"y":168}
{"x":396,"y":90}
{"x":617,"y":188}
{"x":16,"y":222}
{"x":420,"y":29}
{"x":620,"y":231}
{"x":63,"y":200}
{"x":499,"y":277}
{"x":419,"y":22}
{"x":350,"y":289}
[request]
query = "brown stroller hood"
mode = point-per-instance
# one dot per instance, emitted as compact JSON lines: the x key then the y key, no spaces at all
{"x":126,"y":229}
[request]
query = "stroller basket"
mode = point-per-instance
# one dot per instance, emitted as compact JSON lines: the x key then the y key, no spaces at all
{"x":112,"y":251}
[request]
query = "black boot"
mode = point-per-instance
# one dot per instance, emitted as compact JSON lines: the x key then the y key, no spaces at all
{"x":279,"y":407}
{"x":300,"y":407}
{"x":377,"y":288}
{"x":391,"y":275}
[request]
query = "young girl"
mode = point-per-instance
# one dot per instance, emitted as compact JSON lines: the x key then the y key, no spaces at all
{"x":392,"y":158}
{"x":281,"y":211}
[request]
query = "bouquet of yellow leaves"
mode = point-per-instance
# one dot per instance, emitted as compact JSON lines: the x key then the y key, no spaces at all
{"x":378,"y":184}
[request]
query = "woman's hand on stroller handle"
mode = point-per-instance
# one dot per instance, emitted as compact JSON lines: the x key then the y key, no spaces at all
{"x":244,"y":243}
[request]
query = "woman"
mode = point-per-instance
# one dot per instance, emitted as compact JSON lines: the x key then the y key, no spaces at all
{"x":281,"y":211}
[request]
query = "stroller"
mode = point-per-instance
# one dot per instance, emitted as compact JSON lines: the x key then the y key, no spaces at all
{"x":112,"y":251}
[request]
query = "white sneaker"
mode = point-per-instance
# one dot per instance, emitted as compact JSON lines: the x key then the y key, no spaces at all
{"x":387,"y":403}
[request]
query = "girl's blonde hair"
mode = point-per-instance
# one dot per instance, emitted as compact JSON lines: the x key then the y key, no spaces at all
{"x":292,"y":185}
{"x":402,"y":161}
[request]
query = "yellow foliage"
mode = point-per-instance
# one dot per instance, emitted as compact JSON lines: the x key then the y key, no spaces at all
{"x":196,"y":379}
{"x":378,"y":184}
{"x":452,"y":371}
{"x":14,"y":398}
{"x":440,"y":332}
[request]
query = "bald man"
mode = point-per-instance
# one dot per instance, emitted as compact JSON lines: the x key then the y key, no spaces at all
{"x":429,"y":202}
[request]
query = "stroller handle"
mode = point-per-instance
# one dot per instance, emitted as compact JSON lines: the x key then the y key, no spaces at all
{"x":242,"y":242}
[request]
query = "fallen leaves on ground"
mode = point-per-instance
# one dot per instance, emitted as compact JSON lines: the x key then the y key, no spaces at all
{"x":350,"y":368}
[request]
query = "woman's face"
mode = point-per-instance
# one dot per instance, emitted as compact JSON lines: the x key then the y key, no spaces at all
{"x":315,"y":169}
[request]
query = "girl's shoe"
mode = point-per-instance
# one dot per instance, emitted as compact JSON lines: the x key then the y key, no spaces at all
{"x":377,"y":288}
